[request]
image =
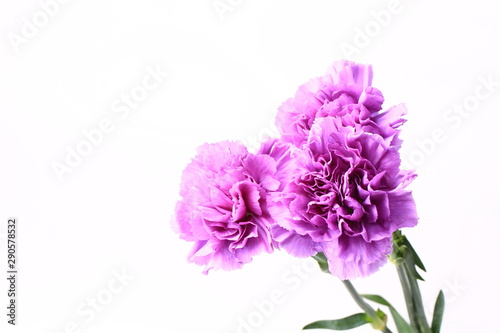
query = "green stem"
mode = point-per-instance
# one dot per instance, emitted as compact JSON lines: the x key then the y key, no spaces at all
{"x":417,"y":302}
{"x":376,"y":320}
{"x":407,"y":291}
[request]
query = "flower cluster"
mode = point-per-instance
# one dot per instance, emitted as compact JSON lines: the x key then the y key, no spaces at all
{"x":331,"y":183}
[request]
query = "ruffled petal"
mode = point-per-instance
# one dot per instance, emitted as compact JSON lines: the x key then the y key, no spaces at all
{"x":352,"y":257}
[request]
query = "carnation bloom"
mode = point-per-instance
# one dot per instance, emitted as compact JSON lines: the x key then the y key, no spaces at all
{"x":224,"y":205}
{"x":344,"y":92}
{"x":346,"y":197}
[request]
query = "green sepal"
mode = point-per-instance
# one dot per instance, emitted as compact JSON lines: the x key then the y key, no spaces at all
{"x":401,"y":324}
{"x":343,"y":324}
{"x":437,"y":317}
{"x":399,"y":250}
{"x":403,"y":251}
{"x":380,"y":325}
{"x":322,"y":262}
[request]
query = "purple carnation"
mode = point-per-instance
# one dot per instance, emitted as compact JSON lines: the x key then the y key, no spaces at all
{"x":224,"y":207}
{"x":346,"y":197}
{"x":345,"y":92}
{"x":332,"y":183}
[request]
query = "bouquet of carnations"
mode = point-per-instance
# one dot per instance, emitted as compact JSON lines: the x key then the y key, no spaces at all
{"x":330,"y":187}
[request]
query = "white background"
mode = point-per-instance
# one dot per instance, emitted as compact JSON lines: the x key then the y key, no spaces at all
{"x":226,"y":77}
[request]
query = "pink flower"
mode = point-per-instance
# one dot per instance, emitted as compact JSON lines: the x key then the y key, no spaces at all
{"x":344,"y":92}
{"x":224,"y":205}
{"x":345,"y":196}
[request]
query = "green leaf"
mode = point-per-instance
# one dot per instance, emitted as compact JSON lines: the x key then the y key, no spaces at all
{"x":437,"y":318}
{"x":401,"y":324}
{"x":416,"y":258}
{"x":343,"y":324}
{"x":322,"y":261}
{"x":410,"y":260}
{"x":377,"y":299}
